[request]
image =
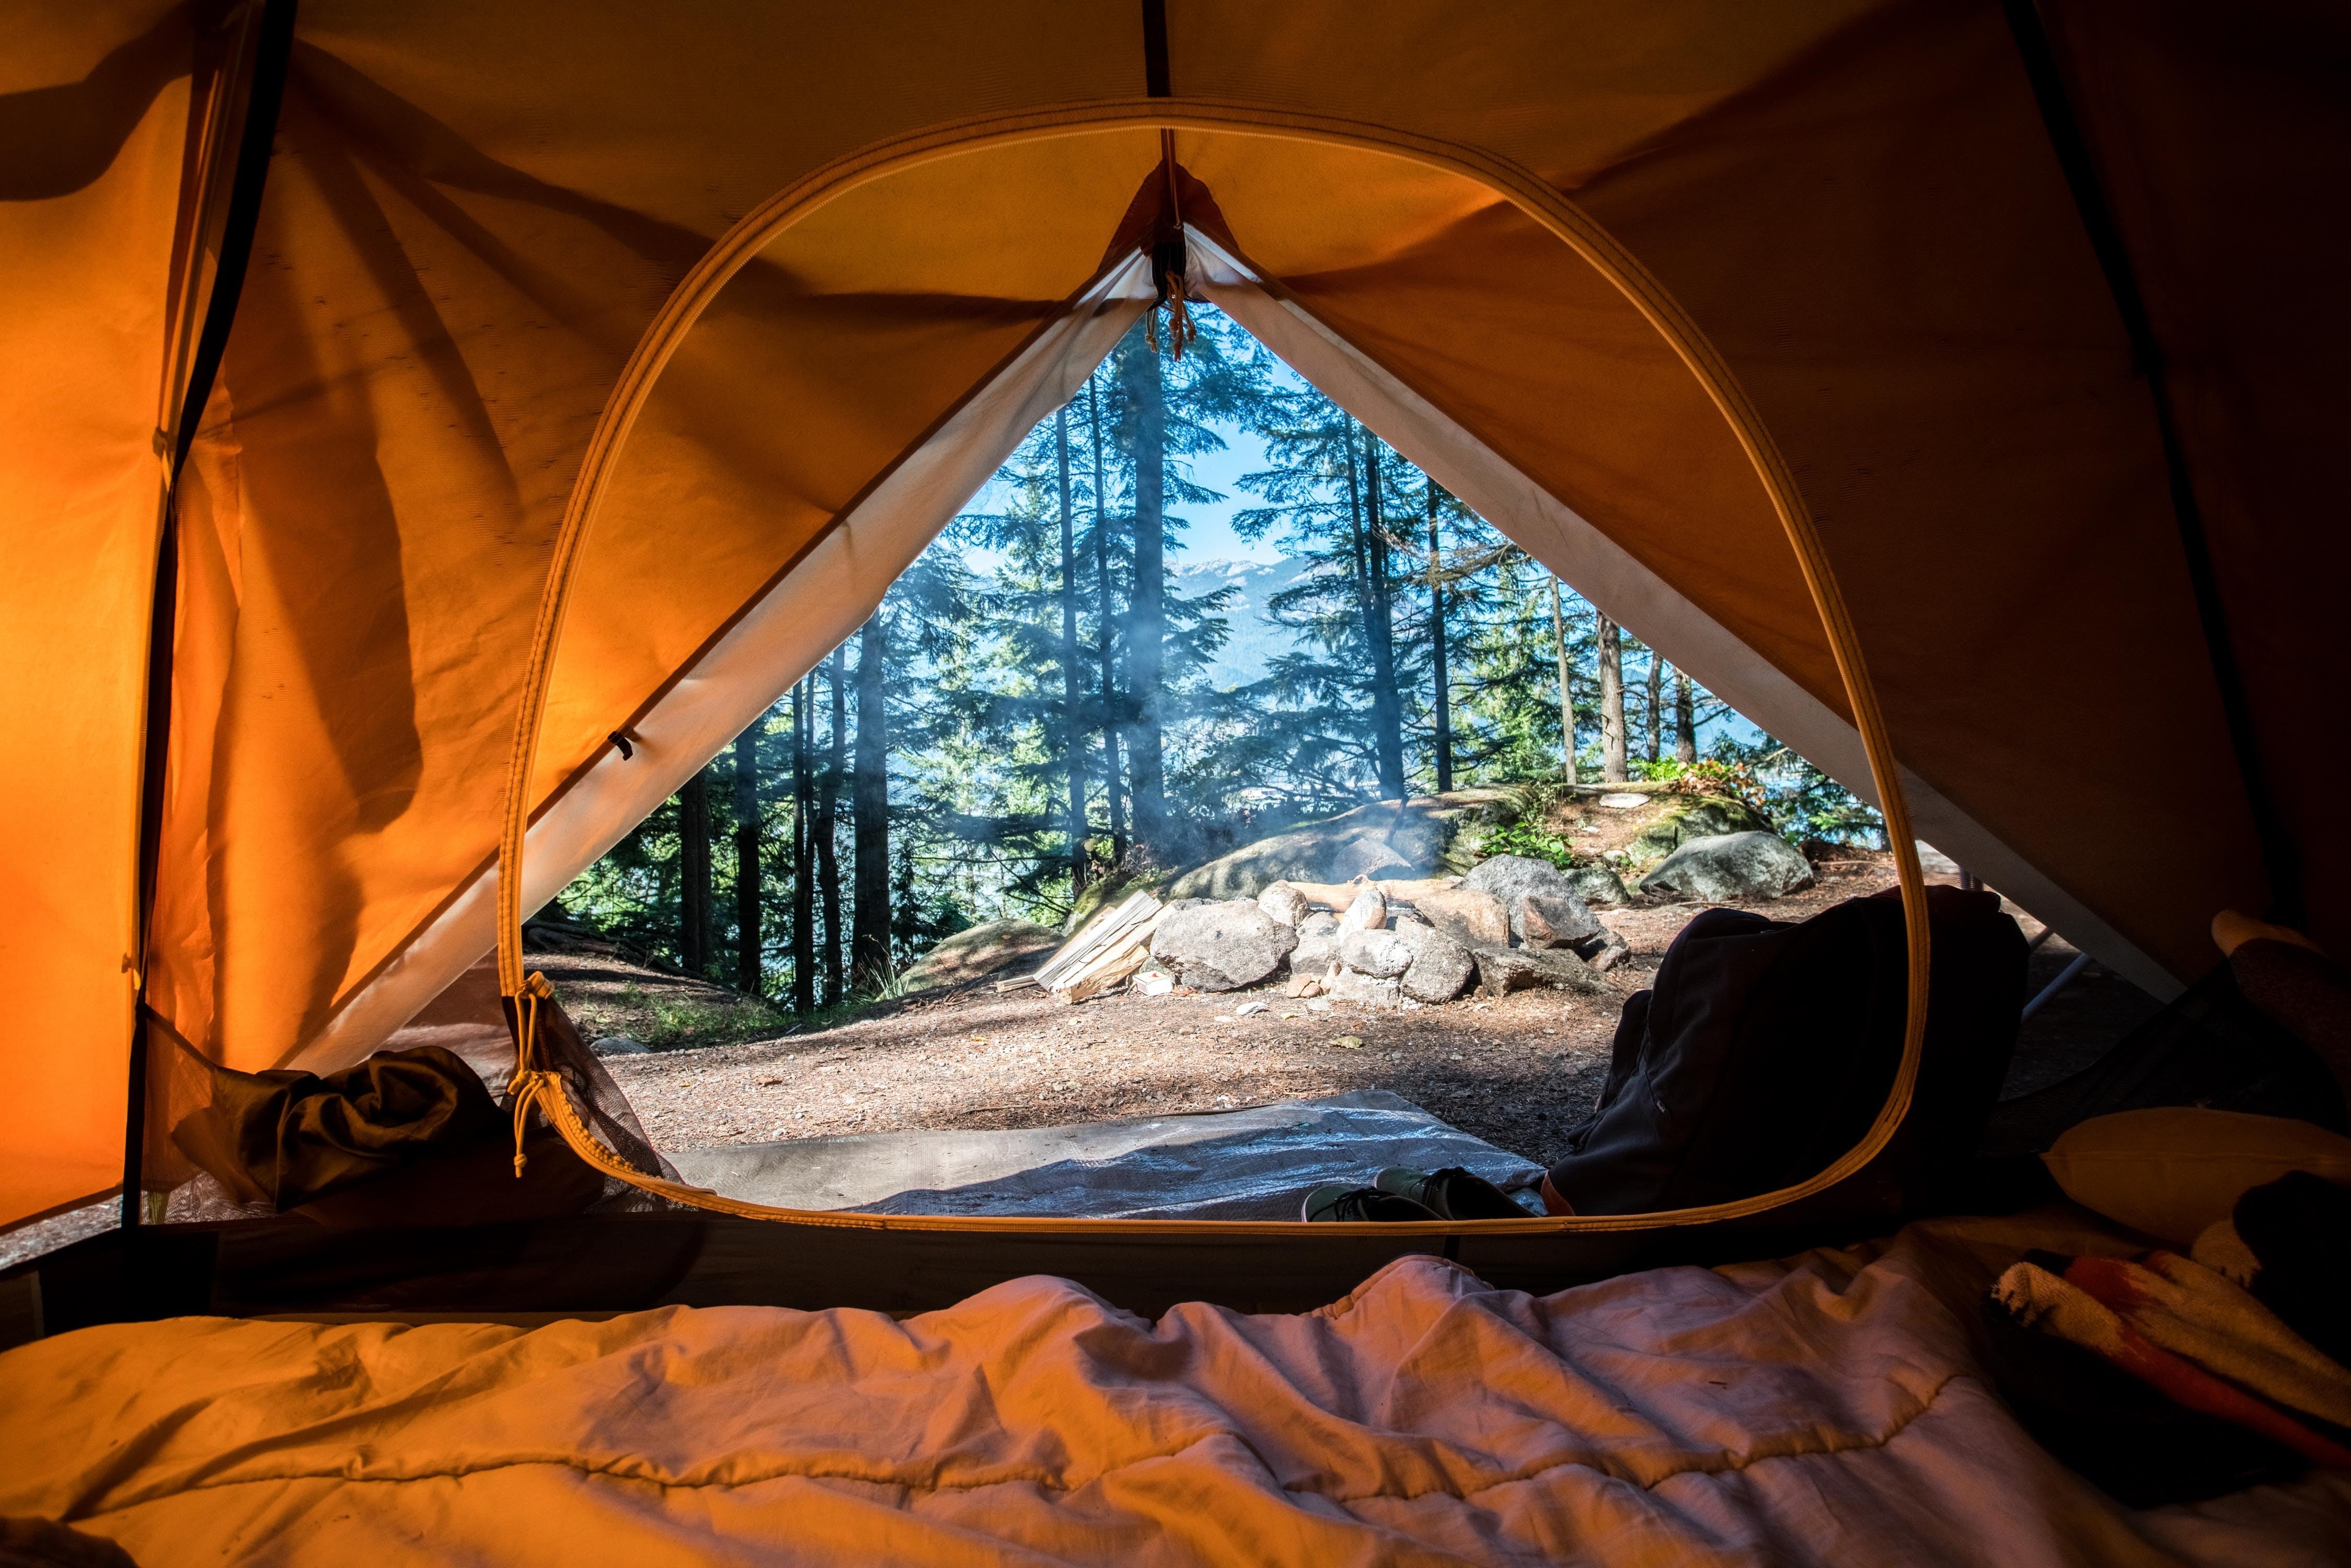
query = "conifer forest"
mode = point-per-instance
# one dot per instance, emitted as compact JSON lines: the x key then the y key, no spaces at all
{"x":1064,"y":689}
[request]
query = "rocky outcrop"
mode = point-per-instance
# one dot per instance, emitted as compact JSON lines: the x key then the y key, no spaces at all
{"x":1696,"y":817}
{"x":1383,"y":840}
{"x":984,"y":949}
{"x":1730,"y":868}
{"x":1220,"y":945}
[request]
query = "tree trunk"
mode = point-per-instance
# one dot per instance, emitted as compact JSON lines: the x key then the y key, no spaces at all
{"x":1443,"y":703}
{"x":1685,"y":731}
{"x":1566,"y":688}
{"x":828,"y":806}
{"x":1388,"y":702}
{"x":693,"y":873}
{"x":1146,"y":610}
{"x":749,"y":974}
{"x":870,"y":805}
{"x":1073,"y":732}
{"x":1612,"y":703}
{"x":1657,"y":707}
{"x":1114,"y":773}
{"x":803,"y":859}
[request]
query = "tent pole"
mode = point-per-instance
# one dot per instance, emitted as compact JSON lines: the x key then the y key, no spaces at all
{"x":2034,"y":47}
{"x":272,"y":50}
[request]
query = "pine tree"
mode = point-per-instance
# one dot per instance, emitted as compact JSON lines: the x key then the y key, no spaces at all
{"x":749,"y":973}
{"x":1367,"y":518}
{"x":1441,"y":685}
{"x":1612,"y":703}
{"x":1566,"y":687}
{"x":1106,"y":622}
{"x":803,"y":859}
{"x":869,"y":807}
{"x":1684,"y":730}
{"x":1146,"y":614}
{"x":1656,"y":709}
{"x":828,"y":803}
{"x":693,"y":873}
{"x":1073,"y":727}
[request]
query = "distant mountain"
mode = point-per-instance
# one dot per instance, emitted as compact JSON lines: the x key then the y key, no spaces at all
{"x":1255,"y":637}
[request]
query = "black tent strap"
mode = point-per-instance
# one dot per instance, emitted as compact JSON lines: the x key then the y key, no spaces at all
{"x":273,"y":48}
{"x":2279,"y":861}
{"x":1154,"y":49}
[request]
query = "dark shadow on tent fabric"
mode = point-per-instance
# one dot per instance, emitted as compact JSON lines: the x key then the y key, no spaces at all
{"x":61,"y":139}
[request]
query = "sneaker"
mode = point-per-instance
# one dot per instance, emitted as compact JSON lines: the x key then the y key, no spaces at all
{"x":1449,"y":1194}
{"x":1360,"y":1203}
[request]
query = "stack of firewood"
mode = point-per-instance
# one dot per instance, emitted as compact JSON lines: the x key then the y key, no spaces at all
{"x":1101,"y":956}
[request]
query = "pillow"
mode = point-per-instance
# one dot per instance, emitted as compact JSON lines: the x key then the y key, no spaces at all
{"x":2173,"y":1170}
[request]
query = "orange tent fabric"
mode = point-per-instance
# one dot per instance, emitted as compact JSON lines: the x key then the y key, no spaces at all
{"x":1857,"y":204}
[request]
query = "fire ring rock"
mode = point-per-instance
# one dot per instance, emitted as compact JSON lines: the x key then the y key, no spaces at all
{"x":1470,"y":916}
{"x":1441,"y":967}
{"x":1383,"y":954}
{"x":1318,"y":944}
{"x":1506,"y":969}
{"x":1221,"y":945}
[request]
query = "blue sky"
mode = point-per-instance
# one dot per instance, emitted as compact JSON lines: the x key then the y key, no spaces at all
{"x":1211,"y":536}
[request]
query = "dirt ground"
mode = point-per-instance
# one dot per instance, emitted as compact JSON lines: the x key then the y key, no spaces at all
{"x":1517,"y":1072}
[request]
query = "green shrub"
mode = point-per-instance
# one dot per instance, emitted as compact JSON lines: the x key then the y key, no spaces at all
{"x":1531,"y":840}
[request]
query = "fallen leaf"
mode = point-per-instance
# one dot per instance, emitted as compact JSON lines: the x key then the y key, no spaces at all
{"x":1349,"y":1043}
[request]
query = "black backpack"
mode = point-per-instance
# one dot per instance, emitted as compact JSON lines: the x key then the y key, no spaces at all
{"x":1765,"y":1050}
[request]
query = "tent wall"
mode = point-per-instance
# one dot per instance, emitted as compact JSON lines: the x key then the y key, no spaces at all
{"x":2221,"y":139}
{"x":98,"y":111}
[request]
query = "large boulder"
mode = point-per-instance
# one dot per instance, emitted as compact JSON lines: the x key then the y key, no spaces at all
{"x":1470,"y":916}
{"x":1561,"y":920}
{"x":1441,"y":967}
{"x":1693,"y":817}
{"x":983,"y":950}
{"x":1220,"y":945}
{"x":1730,"y":868}
{"x":1318,"y":944}
{"x":1505,"y":969}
